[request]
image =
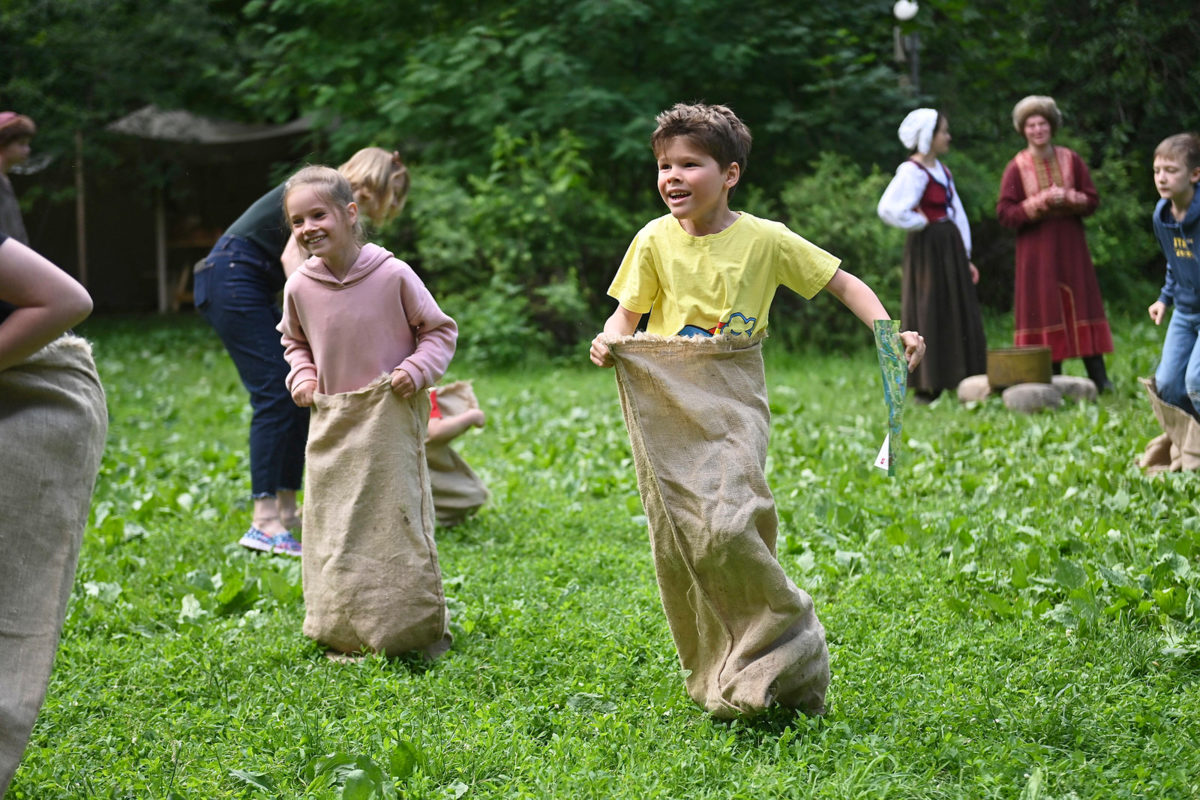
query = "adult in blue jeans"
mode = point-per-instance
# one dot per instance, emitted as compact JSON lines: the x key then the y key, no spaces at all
{"x":237,"y":289}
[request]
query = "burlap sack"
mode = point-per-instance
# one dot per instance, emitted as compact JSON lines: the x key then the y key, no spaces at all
{"x":1178,"y":446}
{"x":457,"y":490}
{"x":370,"y":567}
{"x":52,"y":425}
{"x":698,"y":421}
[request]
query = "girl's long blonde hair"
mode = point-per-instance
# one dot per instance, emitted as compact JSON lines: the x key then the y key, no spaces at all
{"x":380,"y":182}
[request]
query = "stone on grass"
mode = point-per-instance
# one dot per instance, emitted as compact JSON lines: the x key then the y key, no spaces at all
{"x":973,"y":388}
{"x":1031,"y":397}
{"x":1075,"y":388}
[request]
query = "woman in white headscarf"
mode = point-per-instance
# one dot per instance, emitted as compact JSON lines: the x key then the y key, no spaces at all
{"x":938,"y":289}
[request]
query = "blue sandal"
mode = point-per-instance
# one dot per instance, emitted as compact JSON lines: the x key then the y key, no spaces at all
{"x":254,"y":539}
{"x":286,"y":545}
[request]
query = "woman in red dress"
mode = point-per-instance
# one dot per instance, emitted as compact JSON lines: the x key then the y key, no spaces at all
{"x":1045,"y":194}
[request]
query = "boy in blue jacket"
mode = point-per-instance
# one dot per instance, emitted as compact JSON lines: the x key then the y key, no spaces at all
{"x":1176,"y":224}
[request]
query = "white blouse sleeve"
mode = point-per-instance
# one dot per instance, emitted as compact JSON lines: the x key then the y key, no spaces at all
{"x":898,"y":206}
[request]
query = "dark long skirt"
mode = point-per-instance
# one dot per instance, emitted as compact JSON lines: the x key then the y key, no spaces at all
{"x":938,"y":300}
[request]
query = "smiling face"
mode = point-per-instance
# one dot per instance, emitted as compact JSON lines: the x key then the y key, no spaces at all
{"x":1174,"y":180}
{"x":1038,"y":131}
{"x":694,"y":186}
{"x":321,"y":227}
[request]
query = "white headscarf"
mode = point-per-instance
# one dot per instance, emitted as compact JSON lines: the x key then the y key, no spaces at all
{"x":917,"y":129}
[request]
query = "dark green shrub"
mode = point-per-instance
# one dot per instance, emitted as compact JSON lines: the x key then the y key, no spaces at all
{"x":531,"y":245}
{"x":1128,"y":261}
{"x":495,"y":326}
{"x":834,"y":207}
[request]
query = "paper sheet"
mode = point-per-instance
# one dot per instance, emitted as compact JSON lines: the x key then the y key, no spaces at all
{"x":894,"y":370}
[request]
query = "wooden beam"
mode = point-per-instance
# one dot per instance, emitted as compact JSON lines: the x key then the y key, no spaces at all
{"x":160,"y":250}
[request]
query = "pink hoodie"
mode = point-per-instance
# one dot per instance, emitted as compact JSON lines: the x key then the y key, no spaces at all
{"x":343,"y":334}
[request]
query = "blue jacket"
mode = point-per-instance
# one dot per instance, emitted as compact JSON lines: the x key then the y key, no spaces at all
{"x":1178,"y":243}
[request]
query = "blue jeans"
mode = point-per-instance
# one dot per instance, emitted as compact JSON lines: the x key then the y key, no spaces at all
{"x":236,"y":291}
{"x":1178,"y":374}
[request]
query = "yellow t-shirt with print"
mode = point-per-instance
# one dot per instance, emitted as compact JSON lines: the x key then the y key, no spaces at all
{"x":722,"y":283}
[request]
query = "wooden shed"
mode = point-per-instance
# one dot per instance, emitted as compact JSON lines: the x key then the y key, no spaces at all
{"x":131,"y":229}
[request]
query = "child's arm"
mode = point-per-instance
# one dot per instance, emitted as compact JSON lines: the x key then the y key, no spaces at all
{"x":301,"y":380}
{"x":436,"y":334}
{"x":443,"y":429}
{"x":302,"y":395}
{"x":623,"y":322}
{"x":48,"y":300}
{"x":1166,"y":295}
{"x":862,"y":300}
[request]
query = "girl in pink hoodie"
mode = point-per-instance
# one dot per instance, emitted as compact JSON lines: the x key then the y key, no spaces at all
{"x":352,"y":311}
{"x":356,"y":321}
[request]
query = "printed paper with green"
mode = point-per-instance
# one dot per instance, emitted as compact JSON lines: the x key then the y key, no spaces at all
{"x":895,"y":383}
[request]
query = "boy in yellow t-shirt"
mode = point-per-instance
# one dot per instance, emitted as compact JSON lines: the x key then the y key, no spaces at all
{"x":706,"y":267}
{"x":747,"y":636}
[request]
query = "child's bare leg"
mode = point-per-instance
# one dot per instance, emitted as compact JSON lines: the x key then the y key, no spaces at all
{"x":289,"y":512}
{"x":266,"y":515}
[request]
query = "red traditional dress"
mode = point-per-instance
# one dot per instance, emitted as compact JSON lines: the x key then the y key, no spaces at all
{"x":1057,"y":299}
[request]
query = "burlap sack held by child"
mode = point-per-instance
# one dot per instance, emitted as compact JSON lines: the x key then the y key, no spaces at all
{"x":52,"y":425}
{"x":698,"y":421}
{"x":1178,"y":446}
{"x":457,"y":490}
{"x":371,"y":576}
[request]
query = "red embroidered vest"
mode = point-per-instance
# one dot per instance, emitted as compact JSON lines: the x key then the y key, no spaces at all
{"x":935,"y":202}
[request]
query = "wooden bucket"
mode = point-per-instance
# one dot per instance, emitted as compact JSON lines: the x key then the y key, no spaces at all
{"x":1008,"y":366}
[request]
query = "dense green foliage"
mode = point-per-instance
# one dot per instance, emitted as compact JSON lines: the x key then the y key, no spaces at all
{"x":77,"y":65}
{"x":1015,"y":614}
{"x":527,"y":120}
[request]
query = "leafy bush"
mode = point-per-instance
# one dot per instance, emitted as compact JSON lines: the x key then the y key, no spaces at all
{"x":495,"y":324}
{"x":834,"y":207}
{"x":1128,"y":261}
{"x":524,"y":251}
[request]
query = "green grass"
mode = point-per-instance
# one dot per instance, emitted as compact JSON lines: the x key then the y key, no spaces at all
{"x":1012,"y":616}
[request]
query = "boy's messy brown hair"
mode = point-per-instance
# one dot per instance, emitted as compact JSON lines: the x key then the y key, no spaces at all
{"x":713,"y":128}
{"x":1182,"y":146}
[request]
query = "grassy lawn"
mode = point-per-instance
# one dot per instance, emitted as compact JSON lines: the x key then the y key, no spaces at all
{"x":1013,"y":616}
